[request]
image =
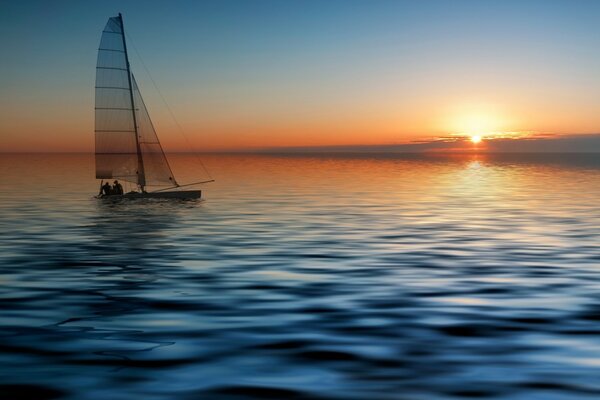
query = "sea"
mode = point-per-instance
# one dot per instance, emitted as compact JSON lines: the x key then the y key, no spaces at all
{"x":299,"y":276}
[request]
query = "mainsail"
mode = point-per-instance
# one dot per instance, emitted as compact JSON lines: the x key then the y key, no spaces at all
{"x":127,"y":146}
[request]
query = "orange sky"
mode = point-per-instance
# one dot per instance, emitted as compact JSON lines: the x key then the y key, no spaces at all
{"x":308,"y":125}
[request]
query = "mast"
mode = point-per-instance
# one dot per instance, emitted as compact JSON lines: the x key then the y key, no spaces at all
{"x":140,"y":161}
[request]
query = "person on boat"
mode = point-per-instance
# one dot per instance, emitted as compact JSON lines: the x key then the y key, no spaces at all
{"x":117,"y":188}
{"x":106,"y":189}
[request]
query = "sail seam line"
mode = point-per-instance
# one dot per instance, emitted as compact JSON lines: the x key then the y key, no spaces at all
{"x":120,"y":69}
{"x":120,"y":51}
{"x":120,"y":131}
{"x":111,"y":108}
{"x":111,"y":87}
{"x":118,"y":33}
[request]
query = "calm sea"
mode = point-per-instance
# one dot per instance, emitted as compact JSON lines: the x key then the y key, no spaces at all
{"x":325,"y":277}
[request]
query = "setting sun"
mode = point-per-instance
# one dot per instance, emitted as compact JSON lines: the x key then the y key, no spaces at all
{"x":475,"y":138}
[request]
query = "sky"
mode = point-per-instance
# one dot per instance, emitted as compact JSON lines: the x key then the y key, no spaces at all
{"x":256,"y":74}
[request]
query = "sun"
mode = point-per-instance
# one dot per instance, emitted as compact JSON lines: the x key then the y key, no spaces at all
{"x":475,"y":138}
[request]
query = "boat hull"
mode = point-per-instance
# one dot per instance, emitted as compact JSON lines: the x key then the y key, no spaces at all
{"x":178,"y":194}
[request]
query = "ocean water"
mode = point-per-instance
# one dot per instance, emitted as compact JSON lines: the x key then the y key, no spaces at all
{"x":318,"y":277}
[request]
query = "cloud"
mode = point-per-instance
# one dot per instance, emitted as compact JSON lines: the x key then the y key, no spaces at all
{"x":535,"y":143}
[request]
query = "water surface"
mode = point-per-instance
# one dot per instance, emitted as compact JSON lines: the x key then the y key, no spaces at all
{"x":328,"y":277}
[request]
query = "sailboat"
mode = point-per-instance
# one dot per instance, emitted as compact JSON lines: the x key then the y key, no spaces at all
{"x":127,"y":146}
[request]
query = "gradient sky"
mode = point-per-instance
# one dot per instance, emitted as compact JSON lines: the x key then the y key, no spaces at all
{"x":241,"y":74}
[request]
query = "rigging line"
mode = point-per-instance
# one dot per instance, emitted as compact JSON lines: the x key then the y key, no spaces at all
{"x":178,"y":186}
{"x":168,"y":108}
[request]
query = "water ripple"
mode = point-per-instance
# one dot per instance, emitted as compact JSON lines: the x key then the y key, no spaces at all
{"x":305,"y":277}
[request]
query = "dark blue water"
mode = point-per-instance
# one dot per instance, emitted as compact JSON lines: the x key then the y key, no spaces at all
{"x":304,"y":277}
